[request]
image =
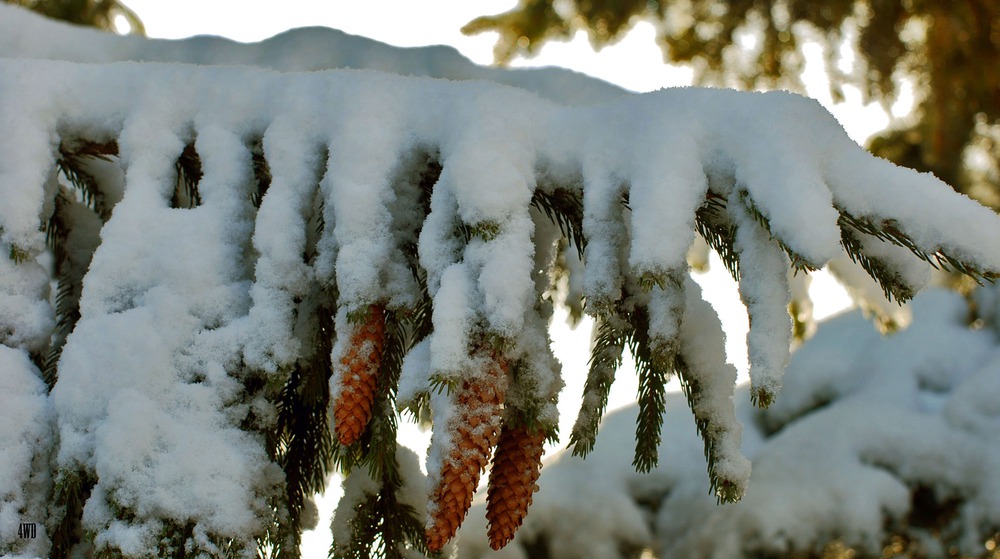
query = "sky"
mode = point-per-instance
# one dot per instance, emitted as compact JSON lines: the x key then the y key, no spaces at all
{"x":635,"y":63}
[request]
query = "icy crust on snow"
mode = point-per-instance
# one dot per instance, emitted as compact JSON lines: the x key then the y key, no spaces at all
{"x":863,"y":423}
{"x":180,"y":305}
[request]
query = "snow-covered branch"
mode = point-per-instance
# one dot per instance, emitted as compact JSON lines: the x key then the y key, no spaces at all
{"x":226,"y":237}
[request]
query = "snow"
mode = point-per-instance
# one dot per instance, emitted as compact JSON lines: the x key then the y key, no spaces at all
{"x":26,"y":35}
{"x":25,"y":316}
{"x":27,"y":437}
{"x":189,"y":317}
{"x":764,"y":289}
{"x":711,"y":380}
{"x":864,"y":422}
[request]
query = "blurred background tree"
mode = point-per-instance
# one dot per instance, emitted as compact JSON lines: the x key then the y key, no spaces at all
{"x":949,"y":52}
{"x":103,"y":14}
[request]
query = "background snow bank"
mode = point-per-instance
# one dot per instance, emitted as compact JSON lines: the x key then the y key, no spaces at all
{"x":24,"y":34}
{"x":872,"y":437}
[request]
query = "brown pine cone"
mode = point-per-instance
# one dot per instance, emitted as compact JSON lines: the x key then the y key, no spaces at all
{"x":358,"y":370}
{"x":474,"y":429}
{"x":517,"y":463}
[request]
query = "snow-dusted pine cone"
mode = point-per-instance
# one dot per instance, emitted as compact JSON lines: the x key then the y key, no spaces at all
{"x":358,"y":373}
{"x":473,"y":430}
{"x":517,"y":462}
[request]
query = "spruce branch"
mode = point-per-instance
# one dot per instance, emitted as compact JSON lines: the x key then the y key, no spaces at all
{"x":798,"y":262}
{"x":654,"y":366}
{"x":303,"y":444}
{"x":605,"y":358}
{"x":528,"y":405}
{"x":304,"y":452}
{"x":486,"y":230}
{"x":71,"y":490}
{"x":726,"y":491}
{"x":72,"y":167}
{"x":890,"y":282}
{"x":890,"y":231}
{"x":72,"y":163}
{"x":69,"y":286}
{"x":649,"y":279}
{"x":565,"y":209}
{"x":766,"y":294}
{"x":382,"y":526}
{"x":713,"y":224}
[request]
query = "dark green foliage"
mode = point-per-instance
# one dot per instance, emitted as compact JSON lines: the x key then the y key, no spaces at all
{"x":382,"y":526}
{"x":69,"y":286}
{"x":892,"y":286}
{"x":261,"y":172}
{"x":724,"y":490}
{"x":302,"y":444}
{"x":605,"y":357}
{"x":70,"y":493}
{"x":717,"y":229}
{"x":565,"y":209}
{"x":18,"y":254}
{"x":654,"y":365}
{"x":626,"y":323}
{"x":890,"y":231}
{"x":72,"y":164}
{"x":189,"y":174}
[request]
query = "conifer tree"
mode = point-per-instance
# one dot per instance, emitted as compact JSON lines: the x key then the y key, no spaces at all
{"x":258,"y":274}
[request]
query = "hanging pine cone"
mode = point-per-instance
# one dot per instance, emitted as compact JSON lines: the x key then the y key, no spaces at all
{"x":474,"y":429}
{"x":358,"y":370}
{"x":517,"y":463}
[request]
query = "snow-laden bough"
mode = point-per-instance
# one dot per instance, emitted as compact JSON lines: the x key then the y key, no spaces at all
{"x":253,"y":223}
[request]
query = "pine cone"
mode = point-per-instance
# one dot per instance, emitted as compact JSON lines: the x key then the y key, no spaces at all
{"x":516,"y":465}
{"x":358,"y":370}
{"x":474,"y":429}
